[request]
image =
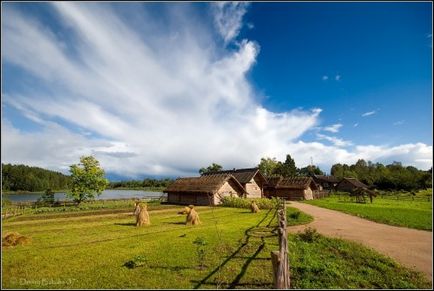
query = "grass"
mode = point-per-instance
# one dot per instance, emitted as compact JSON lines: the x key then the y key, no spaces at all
{"x":93,"y":249}
{"x":413,"y":214}
{"x":296,"y":217}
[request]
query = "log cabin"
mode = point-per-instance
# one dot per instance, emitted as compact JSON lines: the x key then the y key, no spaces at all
{"x":203,"y":190}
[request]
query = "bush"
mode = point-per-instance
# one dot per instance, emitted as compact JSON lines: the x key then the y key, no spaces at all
{"x":309,"y":235}
{"x":237,"y":202}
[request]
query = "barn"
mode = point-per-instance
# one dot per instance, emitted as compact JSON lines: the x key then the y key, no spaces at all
{"x":203,"y":190}
{"x":292,"y":188}
{"x":326,"y":182}
{"x":350,"y":184}
{"x":251,"y":179}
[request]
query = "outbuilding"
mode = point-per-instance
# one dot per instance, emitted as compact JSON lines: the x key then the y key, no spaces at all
{"x":292,"y":188}
{"x":203,"y":190}
{"x":350,"y":184}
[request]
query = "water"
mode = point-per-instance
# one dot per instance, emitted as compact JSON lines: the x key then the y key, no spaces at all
{"x":106,"y":194}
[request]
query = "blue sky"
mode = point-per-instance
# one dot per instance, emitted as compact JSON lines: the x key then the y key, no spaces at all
{"x":162,"y":89}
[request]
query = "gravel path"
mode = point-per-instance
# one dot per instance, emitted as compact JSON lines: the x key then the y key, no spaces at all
{"x":410,"y":247}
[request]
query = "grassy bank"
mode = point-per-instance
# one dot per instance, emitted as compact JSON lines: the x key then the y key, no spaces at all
{"x":389,"y":210}
{"x":96,"y":250}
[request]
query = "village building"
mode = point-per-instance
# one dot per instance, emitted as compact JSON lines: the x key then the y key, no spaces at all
{"x":326,"y":182}
{"x":350,"y":184}
{"x":293,"y":188}
{"x":251,"y":179}
{"x":203,"y":190}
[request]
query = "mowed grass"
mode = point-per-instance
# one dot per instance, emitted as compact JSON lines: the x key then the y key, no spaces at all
{"x":90,"y":250}
{"x":412,"y":214}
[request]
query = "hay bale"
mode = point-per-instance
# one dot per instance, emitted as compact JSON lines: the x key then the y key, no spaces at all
{"x":14,"y":238}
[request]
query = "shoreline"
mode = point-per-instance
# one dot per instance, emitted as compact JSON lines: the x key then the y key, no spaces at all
{"x":64,"y":190}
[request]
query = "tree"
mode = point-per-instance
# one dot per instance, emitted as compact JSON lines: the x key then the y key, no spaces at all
{"x":267,"y":166}
{"x":213,"y":168}
{"x":310,"y":171}
{"x":87,"y":180}
{"x":286,"y":169}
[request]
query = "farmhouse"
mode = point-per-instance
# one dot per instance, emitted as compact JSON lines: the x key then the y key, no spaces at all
{"x":350,"y":184}
{"x":251,"y":179}
{"x":203,"y":190}
{"x":293,"y":188}
{"x":325,"y":182}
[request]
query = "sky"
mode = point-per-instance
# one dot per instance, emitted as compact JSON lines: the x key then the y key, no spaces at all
{"x":163,"y":89}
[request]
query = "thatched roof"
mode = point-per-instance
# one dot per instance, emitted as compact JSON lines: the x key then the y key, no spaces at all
{"x":291,"y":183}
{"x":208,"y":184}
{"x":325,"y":179}
{"x":356,"y":183}
{"x":242,"y":175}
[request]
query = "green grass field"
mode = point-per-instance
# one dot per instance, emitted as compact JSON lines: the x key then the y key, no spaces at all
{"x":89,"y":249}
{"x":413,"y":214}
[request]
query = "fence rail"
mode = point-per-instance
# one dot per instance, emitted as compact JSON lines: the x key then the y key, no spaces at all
{"x":279,"y":259}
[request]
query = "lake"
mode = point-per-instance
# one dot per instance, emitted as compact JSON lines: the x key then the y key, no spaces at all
{"x":106,"y":194}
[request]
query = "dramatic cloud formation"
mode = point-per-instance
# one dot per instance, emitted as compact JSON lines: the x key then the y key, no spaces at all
{"x":146,"y":98}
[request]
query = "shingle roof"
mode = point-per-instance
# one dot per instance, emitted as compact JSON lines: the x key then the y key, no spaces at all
{"x":242,"y":175}
{"x":291,"y":182}
{"x":325,"y":179}
{"x":356,"y":183}
{"x":203,"y":184}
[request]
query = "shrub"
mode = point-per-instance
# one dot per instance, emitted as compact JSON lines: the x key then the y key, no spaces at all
{"x":237,"y":202}
{"x":295,"y":215}
{"x":309,"y":235}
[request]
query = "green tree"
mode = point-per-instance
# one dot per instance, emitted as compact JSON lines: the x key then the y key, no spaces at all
{"x":267,"y":166}
{"x":87,"y":180}
{"x":286,"y":169}
{"x":213,"y":168}
{"x":309,"y":171}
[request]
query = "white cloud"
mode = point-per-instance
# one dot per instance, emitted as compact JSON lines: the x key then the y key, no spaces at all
{"x":150,"y":98}
{"x":356,"y":124}
{"x":325,"y":78}
{"x":400,"y":122}
{"x":369,"y":113}
{"x":333,"y":128}
{"x":338,"y":77}
{"x":228,"y":18}
{"x":336,"y":141}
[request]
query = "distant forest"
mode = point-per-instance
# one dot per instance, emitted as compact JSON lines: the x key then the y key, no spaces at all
{"x":25,"y":178}
{"x":386,"y":177}
{"x":145,"y":183}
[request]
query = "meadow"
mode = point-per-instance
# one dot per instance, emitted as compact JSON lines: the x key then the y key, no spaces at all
{"x":397,"y":208}
{"x":102,"y":248}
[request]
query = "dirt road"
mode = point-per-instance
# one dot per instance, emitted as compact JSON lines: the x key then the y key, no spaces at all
{"x":410,"y":247}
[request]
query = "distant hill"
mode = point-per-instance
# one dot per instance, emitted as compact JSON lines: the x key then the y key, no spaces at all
{"x":26,"y":178}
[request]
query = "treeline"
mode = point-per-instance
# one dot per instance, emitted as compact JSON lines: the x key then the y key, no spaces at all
{"x":271,"y":167}
{"x":26,"y":178}
{"x":145,"y":183}
{"x":385,"y":177}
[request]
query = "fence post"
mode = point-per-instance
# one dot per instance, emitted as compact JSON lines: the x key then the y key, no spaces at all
{"x":279,"y":259}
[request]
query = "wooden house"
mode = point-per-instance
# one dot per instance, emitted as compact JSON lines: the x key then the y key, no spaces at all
{"x":326,"y":182}
{"x":251,"y":179}
{"x":203,"y":190}
{"x":350,"y":184}
{"x":293,"y":188}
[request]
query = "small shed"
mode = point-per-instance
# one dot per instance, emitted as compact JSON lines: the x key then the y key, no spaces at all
{"x":326,"y":182}
{"x":350,"y":184}
{"x":203,"y":190}
{"x":293,"y":188}
{"x":251,"y":179}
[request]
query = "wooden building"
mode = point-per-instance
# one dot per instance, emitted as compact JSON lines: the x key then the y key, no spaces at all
{"x":203,"y":190}
{"x":293,"y":188}
{"x":326,"y":182}
{"x":251,"y":179}
{"x":350,"y":184}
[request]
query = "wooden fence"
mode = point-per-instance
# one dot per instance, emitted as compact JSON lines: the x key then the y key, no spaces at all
{"x":279,"y":259}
